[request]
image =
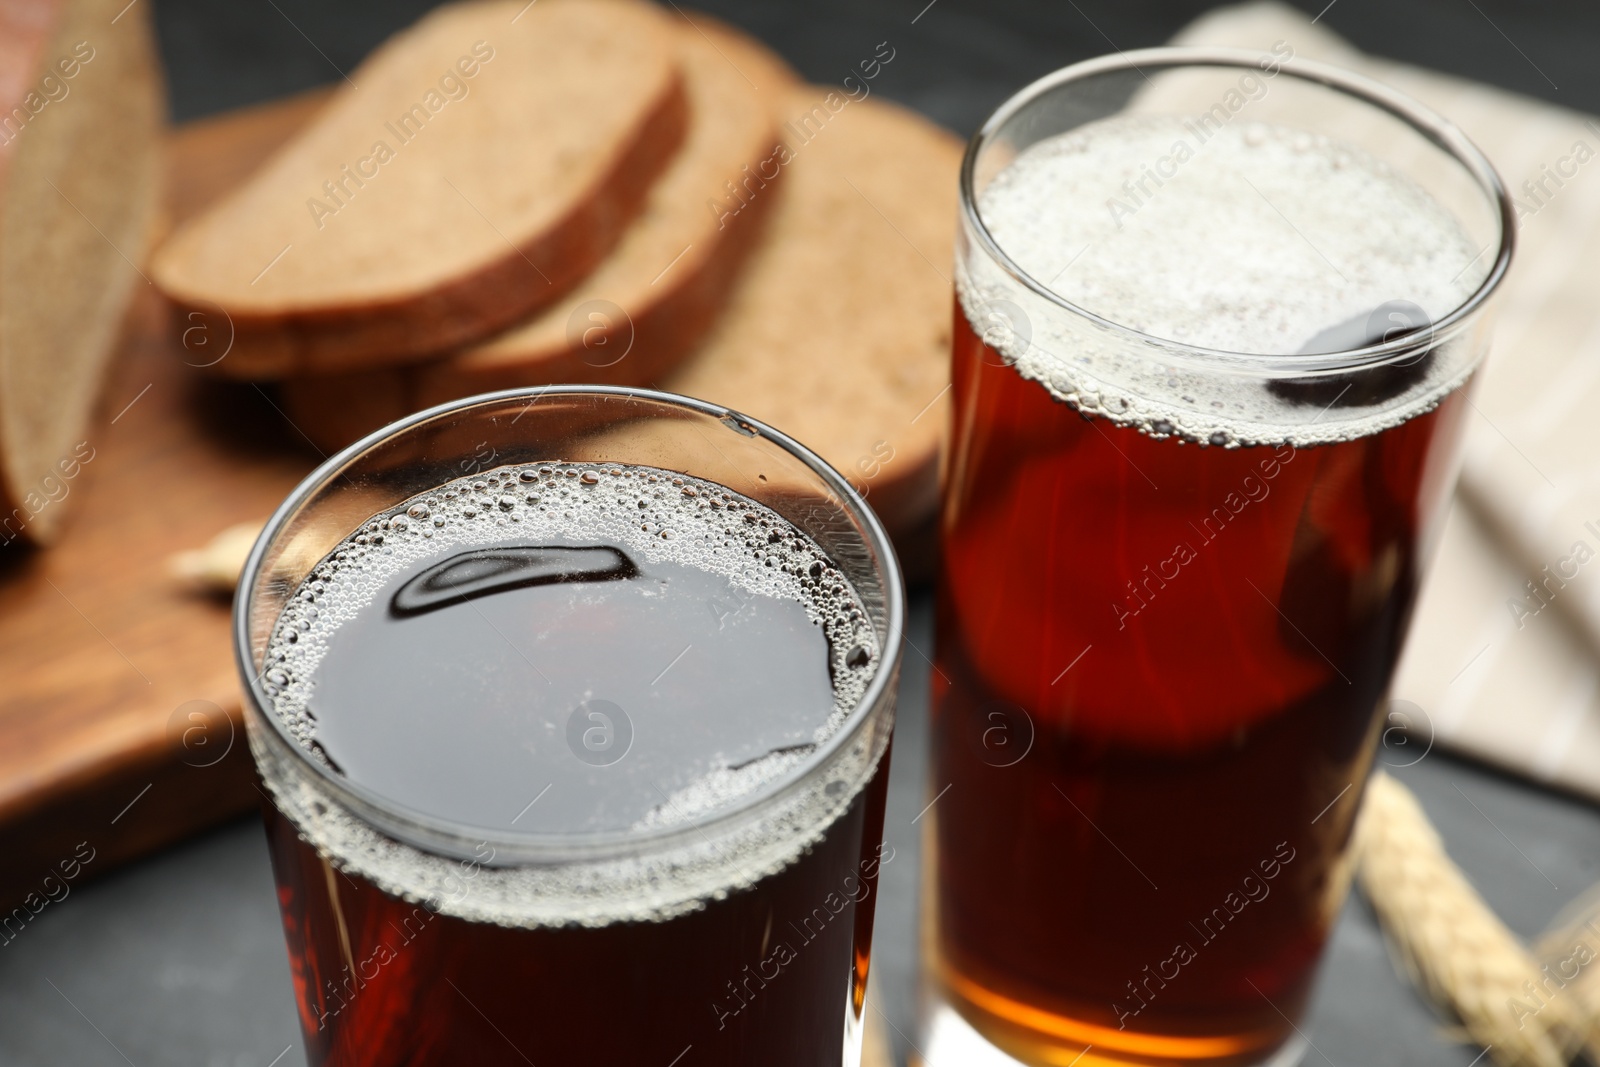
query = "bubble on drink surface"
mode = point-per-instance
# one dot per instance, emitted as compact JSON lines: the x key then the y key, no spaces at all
{"x":718,"y":531}
{"x":1265,"y":238}
{"x":1003,"y":327}
{"x":715,"y":790}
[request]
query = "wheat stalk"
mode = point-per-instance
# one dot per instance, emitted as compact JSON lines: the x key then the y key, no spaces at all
{"x":1571,"y":950}
{"x":215,"y":567}
{"x":1451,"y":944}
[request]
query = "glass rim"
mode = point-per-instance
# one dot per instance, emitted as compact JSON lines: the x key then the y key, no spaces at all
{"x":1431,"y":125}
{"x":448,"y":837}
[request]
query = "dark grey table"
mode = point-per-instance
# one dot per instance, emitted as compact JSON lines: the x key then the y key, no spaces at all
{"x":179,"y":960}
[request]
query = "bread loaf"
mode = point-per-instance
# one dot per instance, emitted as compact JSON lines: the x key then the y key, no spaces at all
{"x":81,"y":113}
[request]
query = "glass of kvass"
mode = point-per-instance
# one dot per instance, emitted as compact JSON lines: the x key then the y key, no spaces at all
{"x":1218,"y":316}
{"x":572,"y":709}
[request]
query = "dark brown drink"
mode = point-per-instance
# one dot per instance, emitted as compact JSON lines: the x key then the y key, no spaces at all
{"x":1216,"y":327}
{"x":1175,"y":760}
{"x":612,"y":662}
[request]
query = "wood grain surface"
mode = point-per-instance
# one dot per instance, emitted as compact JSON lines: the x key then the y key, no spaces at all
{"x":119,"y":713}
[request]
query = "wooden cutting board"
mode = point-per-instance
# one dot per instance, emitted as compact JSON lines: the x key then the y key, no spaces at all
{"x":120,"y":729}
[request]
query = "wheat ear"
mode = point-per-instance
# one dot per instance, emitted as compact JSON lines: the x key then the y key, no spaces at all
{"x":1452,"y":945}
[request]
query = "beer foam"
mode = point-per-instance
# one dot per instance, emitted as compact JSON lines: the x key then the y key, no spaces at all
{"x":1254,"y":239}
{"x":655,"y":516}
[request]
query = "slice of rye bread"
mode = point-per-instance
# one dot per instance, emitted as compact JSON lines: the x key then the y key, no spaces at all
{"x":839,"y":331}
{"x":491,"y":156}
{"x":646,"y":306}
{"x":81,"y":112}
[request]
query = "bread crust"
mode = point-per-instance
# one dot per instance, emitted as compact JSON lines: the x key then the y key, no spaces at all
{"x":91,"y":195}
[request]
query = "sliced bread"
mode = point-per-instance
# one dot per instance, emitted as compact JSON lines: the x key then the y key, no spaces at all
{"x":491,"y":156}
{"x":81,"y":111}
{"x":839,"y":331}
{"x":647,"y":305}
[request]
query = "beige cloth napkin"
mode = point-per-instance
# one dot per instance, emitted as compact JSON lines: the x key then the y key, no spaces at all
{"x":1494,"y":670}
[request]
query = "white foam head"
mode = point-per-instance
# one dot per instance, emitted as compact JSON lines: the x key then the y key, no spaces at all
{"x":1251,"y":240}
{"x":689,"y":521}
